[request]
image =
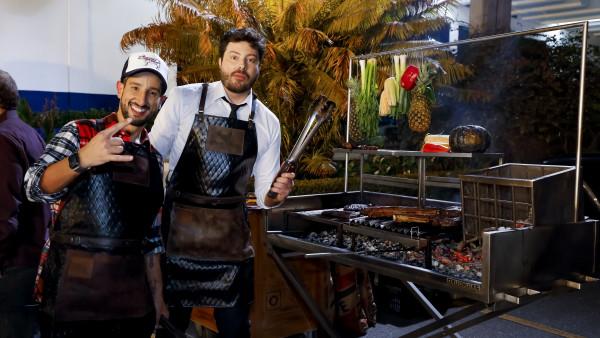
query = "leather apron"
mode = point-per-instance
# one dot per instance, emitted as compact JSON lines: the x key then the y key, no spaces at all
{"x":208,"y":260}
{"x":95,"y":268}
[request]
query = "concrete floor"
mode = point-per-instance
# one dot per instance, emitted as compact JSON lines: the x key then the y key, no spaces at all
{"x":566,"y":314}
{"x":571,"y":314}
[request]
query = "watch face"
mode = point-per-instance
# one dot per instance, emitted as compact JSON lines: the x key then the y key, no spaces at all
{"x":74,"y":163}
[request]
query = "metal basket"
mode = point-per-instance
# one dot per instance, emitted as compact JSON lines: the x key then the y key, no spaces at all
{"x":516,"y":195}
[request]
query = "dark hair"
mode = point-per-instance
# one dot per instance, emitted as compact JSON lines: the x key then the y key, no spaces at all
{"x":9,"y":93}
{"x":250,"y":35}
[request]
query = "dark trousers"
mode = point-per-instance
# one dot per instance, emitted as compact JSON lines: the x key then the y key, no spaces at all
{"x":117,"y":328}
{"x":18,"y":314}
{"x":231,"y":322}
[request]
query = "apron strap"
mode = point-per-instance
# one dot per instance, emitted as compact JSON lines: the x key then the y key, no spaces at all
{"x":98,"y":243}
{"x":202,"y":99}
{"x":252,"y":112}
{"x":202,"y":104}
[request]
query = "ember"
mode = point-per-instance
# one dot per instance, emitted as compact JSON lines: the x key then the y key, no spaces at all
{"x":451,"y":258}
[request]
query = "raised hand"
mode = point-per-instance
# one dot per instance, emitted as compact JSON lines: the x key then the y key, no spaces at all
{"x":104,"y":147}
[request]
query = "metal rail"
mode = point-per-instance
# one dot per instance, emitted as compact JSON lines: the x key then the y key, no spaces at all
{"x":469,"y":41}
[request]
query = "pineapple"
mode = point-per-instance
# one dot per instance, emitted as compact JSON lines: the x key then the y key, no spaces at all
{"x":419,"y":113}
{"x":356,"y":135}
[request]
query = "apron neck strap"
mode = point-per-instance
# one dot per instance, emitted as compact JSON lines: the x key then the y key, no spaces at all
{"x":203,"y":103}
{"x":203,"y":99}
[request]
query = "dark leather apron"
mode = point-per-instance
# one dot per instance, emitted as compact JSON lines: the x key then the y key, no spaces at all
{"x":95,"y":268}
{"x":205,"y":226}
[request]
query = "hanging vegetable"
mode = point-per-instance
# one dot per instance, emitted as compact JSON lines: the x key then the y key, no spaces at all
{"x":367,"y":103}
{"x":388,"y":99}
{"x":401,"y":94}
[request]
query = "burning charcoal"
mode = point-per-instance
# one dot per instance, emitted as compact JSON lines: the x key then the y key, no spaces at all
{"x":359,"y":221}
{"x":387,"y":225}
{"x":355,"y":207}
{"x":346,"y":215}
{"x":373,"y":223}
{"x":324,"y":237}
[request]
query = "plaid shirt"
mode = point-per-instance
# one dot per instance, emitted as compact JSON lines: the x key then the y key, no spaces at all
{"x":67,"y":141}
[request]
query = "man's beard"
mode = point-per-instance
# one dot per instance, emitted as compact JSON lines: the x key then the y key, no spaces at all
{"x":241,"y":87}
{"x":136,"y":122}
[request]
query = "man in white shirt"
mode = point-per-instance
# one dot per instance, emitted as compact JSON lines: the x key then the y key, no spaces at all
{"x":215,"y":136}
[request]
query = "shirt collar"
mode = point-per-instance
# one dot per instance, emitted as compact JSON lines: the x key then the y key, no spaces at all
{"x":112,"y":119}
{"x":219,"y":92}
{"x":9,"y":115}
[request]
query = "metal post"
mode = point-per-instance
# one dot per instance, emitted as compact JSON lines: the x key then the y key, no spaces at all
{"x":459,"y":315}
{"x":301,"y":292}
{"x":433,"y":312}
{"x":421,"y":182}
{"x":362,"y":163}
{"x":349,"y":100}
{"x":580,"y":118}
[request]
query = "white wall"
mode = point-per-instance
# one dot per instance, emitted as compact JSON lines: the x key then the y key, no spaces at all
{"x":68,"y":45}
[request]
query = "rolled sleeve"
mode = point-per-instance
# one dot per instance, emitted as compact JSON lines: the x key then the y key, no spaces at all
{"x":62,"y":145}
{"x":166,"y":125}
{"x":267,"y":163}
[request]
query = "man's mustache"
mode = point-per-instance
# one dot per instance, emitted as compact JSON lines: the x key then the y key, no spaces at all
{"x":240,"y":72}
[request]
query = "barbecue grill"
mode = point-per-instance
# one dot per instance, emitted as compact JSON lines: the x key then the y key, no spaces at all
{"x":520,"y":235}
{"x":513,"y":265}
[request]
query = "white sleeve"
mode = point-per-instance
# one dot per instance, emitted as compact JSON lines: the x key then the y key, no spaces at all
{"x":267,"y":165}
{"x":166,"y":125}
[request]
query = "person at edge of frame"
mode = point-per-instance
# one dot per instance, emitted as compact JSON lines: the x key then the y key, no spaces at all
{"x":100,"y":276}
{"x":23,"y":224}
{"x":215,"y":136}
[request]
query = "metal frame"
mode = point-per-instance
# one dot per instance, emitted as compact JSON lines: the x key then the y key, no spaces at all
{"x":582,"y":24}
{"x":503,"y":287}
{"x":421,"y":165}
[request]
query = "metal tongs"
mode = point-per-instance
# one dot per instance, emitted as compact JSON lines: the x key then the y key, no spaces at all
{"x":321,"y":108}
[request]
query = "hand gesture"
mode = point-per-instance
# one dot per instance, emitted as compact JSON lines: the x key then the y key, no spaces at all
{"x":104,"y":147}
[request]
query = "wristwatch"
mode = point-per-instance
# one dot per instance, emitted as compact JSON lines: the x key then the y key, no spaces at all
{"x":74,"y":163}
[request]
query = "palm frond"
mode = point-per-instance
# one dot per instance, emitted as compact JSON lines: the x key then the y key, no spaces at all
{"x":355,"y":15}
{"x":455,"y":71}
{"x":324,"y":12}
{"x":190,"y":10}
{"x":317,"y":164}
{"x":335,"y":61}
{"x":292,"y":18}
{"x":307,"y":40}
{"x":326,"y":85}
{"x":407,"y":30}
{"x":283,"y":89}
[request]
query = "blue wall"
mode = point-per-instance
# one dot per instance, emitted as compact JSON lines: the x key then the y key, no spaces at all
{"x":41,"y":100}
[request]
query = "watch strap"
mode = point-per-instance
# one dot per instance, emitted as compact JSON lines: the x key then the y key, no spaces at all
{"x":74,"y":163}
